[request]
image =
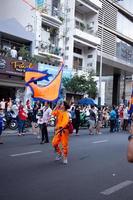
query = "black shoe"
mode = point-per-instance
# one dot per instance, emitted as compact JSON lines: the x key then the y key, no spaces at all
{"x":46,"y":141}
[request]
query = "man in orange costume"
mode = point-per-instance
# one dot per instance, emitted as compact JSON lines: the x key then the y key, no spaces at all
{"x":61,"y":131}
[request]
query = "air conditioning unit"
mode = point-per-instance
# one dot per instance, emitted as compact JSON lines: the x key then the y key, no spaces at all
{"x":90,"y":26}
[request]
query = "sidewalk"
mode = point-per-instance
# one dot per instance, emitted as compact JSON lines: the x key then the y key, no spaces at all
{"x":9,"y":132}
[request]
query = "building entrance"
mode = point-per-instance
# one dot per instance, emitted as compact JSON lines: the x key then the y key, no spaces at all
{"x":6,"y":92}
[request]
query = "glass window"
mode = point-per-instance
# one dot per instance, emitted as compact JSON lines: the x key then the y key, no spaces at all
{"x":77,"y":63}
{"x":124,"y":25}
{"x":127,"y":5}
{"x":124,"y":51}
{"x":90,"y":56}
{"x":77,"y":50}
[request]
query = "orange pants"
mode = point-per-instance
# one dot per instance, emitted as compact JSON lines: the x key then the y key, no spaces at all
{"x":62,"y":138}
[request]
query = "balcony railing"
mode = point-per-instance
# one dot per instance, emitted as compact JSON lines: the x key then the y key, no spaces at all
{"x":50,"y":48}
{"x":53,"y":12}
{"x":87,"y":28}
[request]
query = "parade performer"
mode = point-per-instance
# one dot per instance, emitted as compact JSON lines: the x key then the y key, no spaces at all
{"x":61,"y":131}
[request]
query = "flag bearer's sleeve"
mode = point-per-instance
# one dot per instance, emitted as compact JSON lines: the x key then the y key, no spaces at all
{"x":55,"y":113}
{"x":65,"y":120}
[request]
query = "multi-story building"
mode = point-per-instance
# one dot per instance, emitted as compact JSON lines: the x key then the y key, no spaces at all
{"x":81,"y":31}
{"x":22,"y":23}
{"x":81,"y":40}
{"x":115,"y":28}
{"x":61,"y":28}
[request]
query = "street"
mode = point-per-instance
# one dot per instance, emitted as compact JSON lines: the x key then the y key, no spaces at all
{"x":97,"y":169}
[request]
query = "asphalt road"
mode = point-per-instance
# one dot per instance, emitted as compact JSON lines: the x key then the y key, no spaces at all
{"x":97,"y":169}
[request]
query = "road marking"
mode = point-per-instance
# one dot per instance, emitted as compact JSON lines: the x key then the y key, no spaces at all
{"x":26,"y":153}
{"x":100,"y":141}
{"x":116,"y":188}
{"x":85,"y":156}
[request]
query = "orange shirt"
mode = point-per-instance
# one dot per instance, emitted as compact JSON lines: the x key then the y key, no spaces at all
{"x":62,"y":118}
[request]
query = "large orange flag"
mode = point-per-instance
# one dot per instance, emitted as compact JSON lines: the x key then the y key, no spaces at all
{"x":49,"y":92}
{"x":34,"y":75}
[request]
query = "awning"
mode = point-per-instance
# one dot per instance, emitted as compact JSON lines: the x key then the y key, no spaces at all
{"x":14,"y":28}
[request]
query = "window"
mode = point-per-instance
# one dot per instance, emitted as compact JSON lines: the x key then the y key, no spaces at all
{"x":68,"y":10}
{"x":66,"y":57}
{"x":90,"y":56}
{"x":127,"y":4}
{"x":77,"y":63}
{"x":67,"y":39}
{"x":79,"y":25}
{"x":67,"y":48}
{"x":77,"y":50}
{"x":124,"y":25}
{"x":124,"y":51}
{"x":89,"y":65}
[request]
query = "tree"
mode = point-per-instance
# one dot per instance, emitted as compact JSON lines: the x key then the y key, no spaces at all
{"x":24,"y":53}
{"x":90,"y":87}
{"x":84,"y":84}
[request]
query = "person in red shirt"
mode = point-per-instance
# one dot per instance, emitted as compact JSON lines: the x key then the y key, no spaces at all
{"x":121,"y":110}
{"x":22,"y":117}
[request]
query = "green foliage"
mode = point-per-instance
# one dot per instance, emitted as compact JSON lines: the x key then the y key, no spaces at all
{"x":84,"y":84}
{"x":24,"y":53}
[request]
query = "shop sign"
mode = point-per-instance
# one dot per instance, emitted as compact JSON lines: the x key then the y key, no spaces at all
{"x":21,"y":66}
{"x":2,"y":63}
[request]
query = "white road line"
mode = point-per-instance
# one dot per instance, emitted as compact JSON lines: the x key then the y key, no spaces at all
{"x":116,"y":188}
{"x":100,"y":141}
{"x":26,"y":153}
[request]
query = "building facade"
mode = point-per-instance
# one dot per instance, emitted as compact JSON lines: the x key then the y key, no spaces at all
{"x":115,"y":28}
{"x":81,"y":40}
{"x":80,"y":32}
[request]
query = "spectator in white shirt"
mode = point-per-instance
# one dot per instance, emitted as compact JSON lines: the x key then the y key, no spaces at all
{"x":14,"y":52}
{"x":125,"y":118}
{"x":3,"y":104}
{"x":44,"y":121}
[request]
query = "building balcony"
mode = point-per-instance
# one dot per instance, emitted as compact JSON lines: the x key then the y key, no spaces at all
{"x":52,"y":16}
{"x":86,"y":6}
{"x":50,"y":51}
{"x":86,"y":38}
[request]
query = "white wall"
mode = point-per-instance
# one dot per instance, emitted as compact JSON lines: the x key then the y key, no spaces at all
{"x":19,"y":10}
{"x":69,"y":4}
